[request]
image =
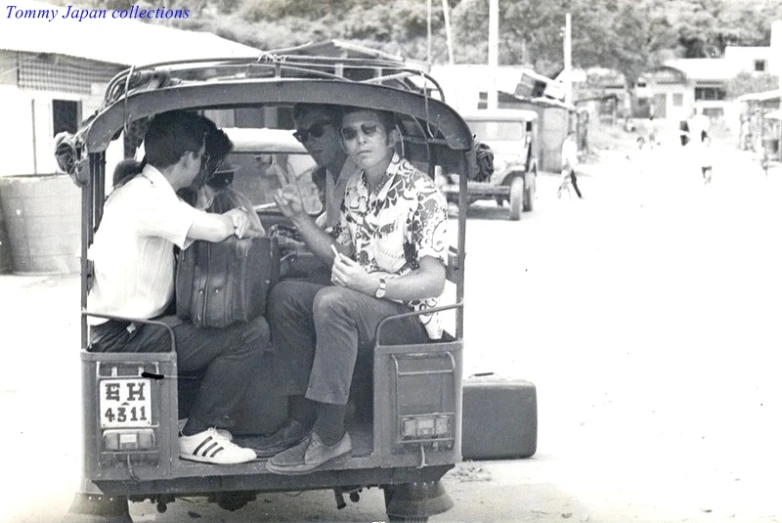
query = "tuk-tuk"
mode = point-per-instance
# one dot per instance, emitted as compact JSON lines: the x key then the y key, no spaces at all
{"x":511,"y":135}
{"x":410,"y":434}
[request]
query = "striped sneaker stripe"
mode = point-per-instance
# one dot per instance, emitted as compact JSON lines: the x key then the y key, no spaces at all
{"x":197,"y":450}
{"x":216,"y":452}
{"x":208,"y":449}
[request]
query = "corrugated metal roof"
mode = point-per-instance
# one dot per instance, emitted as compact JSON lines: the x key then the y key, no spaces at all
{"x":761,"y":97}
{"x":704,"y":69}
{"x":116,"y":41}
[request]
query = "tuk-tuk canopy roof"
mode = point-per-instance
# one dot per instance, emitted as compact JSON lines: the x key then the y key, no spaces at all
{"x":422,"y":116}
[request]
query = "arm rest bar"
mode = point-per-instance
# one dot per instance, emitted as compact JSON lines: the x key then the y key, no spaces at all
{"x":413,"y":313}
{"x":136,"y":320}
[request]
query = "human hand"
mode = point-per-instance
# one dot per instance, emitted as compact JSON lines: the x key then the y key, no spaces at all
{"x":289,"y":202}
{"x":348,"y":273}
{"x":240,"y":220}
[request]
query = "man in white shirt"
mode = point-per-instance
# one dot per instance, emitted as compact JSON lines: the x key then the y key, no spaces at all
{"x":133,"y":255}
{"x":699,"y":126}
{"x":569,"y":162}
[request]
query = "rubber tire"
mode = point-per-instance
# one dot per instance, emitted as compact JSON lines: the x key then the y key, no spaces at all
{"x":387,"y":493}
{"x":516,"y":198}
{"x":529,"y":195}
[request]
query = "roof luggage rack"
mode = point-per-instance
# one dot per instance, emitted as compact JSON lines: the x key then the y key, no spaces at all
{"x":272,"y":65}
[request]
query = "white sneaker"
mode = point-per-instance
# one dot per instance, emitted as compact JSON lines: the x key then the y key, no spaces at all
{"x":223,"y":432}
{"x":212,"y":447}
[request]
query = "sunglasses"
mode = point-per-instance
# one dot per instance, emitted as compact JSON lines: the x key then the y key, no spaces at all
{"x":315,"y":130}
{"x":368,"y":130}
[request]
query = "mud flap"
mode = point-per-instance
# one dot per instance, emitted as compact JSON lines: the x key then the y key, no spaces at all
{"x":98,"y":508}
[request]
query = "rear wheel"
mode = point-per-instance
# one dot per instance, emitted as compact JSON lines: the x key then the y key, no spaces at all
{"x":516,"y":198}
{"x":388,"y":493}
{"x":529,"y":194}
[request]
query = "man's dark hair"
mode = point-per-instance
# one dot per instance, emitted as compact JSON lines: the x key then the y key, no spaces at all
{"x":172,"y":134}
{"x":217,"y":147}
{"x":334,"y":112}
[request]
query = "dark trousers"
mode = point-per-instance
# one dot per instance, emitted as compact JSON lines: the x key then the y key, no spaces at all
{"x":227,"y":357}
{"x":574,"y":182}
{"x":318,"y":332}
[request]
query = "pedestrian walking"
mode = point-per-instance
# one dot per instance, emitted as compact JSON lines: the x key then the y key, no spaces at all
{"x":569,"y":161}
{"x":706,"y":162}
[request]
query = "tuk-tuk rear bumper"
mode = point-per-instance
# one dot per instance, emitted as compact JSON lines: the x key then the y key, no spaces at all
{"x":414,"y":385}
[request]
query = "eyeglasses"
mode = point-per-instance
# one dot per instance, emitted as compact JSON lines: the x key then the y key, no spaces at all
{"x":315,"y":130}
{"x":368,"y":130}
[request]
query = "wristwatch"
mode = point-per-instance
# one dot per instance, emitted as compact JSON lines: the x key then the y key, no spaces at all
{"x":381,"y":291}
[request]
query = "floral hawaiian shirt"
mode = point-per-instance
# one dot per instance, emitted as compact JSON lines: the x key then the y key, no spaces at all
{"x":394,"y":227}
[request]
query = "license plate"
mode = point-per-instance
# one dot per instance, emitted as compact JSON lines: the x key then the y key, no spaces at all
{"x":125,"y":403}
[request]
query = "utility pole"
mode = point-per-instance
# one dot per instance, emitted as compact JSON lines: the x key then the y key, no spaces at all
{"x":429,"y":32}
{"x":448,"y":36}
{"x":494,"y":36}
{"x":568,"y":58}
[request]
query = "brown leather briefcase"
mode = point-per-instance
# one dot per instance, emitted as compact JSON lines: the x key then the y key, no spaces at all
{"x":218,"y":284}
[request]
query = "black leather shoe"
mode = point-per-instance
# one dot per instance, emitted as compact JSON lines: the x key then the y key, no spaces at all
{"x":309,"y":455}
{"x":287,"y":436}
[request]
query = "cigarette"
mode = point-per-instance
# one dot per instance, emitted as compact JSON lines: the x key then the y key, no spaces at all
{"x":339,"y":255}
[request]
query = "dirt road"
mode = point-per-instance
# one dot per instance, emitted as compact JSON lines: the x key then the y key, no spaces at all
{"x":646,"y":314}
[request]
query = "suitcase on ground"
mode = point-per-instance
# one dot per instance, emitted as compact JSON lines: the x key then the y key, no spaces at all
{"x":218,"y":284}
{"x":499,"y":418}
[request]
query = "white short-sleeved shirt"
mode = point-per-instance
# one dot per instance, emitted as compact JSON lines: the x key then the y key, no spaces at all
{"x":569,"y":153}
{"x":133,"y":251}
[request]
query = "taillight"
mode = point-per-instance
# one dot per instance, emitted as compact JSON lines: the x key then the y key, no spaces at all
{"x":128,"y":439}
{"x":426,"y":427}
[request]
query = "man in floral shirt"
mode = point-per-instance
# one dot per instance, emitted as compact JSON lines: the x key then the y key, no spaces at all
{"x":388,"y":255}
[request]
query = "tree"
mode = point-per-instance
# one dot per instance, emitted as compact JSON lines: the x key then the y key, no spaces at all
{"x":745,"y":83}
{"x":607,"y":33}
{"x":706,"y":27}
{"x":636,"y":38}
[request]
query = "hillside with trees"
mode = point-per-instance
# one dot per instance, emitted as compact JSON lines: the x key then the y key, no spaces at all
{"x":630,"y":36}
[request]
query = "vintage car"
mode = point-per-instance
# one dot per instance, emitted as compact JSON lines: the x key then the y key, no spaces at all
{"x":408,"y":435}
{"x":511,"y":135}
